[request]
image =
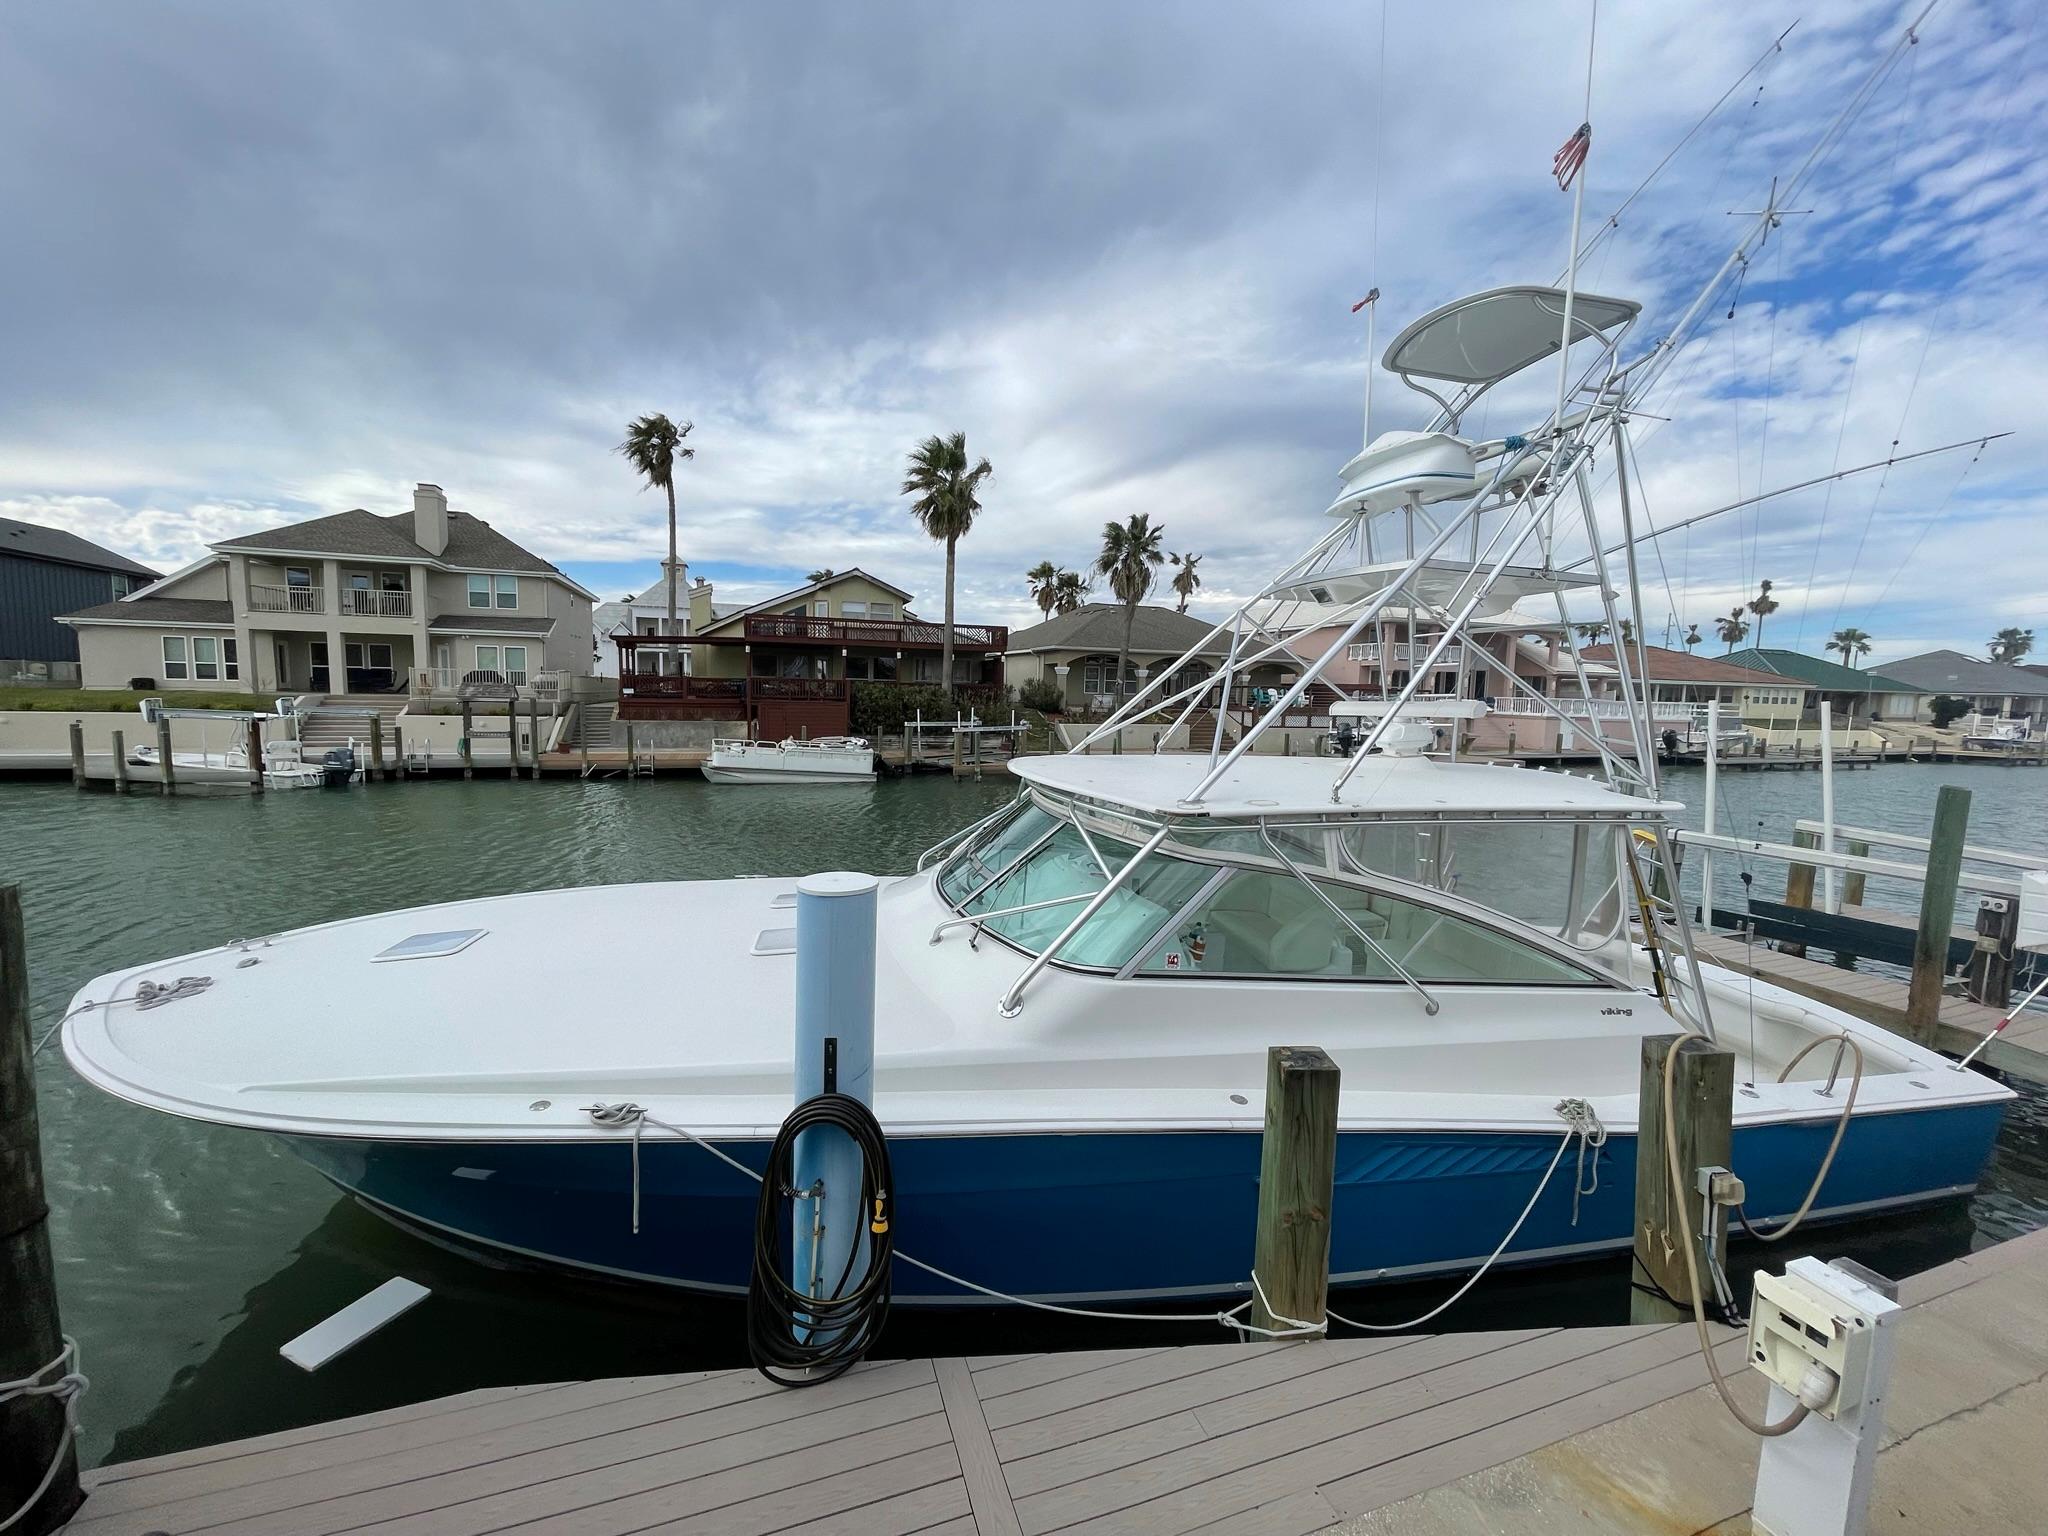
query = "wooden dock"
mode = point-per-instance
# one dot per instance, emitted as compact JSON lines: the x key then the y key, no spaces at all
{"x":2022,"y":1049}
{"x":1225,"y":1439}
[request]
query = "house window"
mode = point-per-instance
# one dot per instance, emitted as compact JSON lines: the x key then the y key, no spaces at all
{"x":822,"y":608}
{"x":391,"y":581}
{"x":231,"y":661}
{"x":174,"y":656}
{"x":515,"y":664}
{"x":885,"y":669}
{"x":479,"y":591}
{"x":206,"y":658}
{"x":487,"y":658}
{"x":507,"y":589}
{"x":857,"y":667}
{"x":122,"y":585}
{"x":298,"y":576}
{"x":359,"y":581}
{"x":881,"y":610}
{"x":853,"y":610}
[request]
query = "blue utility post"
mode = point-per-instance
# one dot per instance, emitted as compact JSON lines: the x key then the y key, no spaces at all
{"x":835,"y":1052}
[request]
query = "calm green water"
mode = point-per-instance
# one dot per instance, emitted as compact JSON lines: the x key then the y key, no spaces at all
{"x":187,"y":1254}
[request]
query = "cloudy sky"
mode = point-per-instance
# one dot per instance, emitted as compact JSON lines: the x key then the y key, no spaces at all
{"x":265,"y":262}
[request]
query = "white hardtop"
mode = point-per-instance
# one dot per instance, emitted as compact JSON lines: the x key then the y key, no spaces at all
{"x":1485,"y":337}
{"x":1268,"y":786}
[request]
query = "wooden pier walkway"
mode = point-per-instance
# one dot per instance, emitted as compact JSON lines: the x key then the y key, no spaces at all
{"x":1225,"y":1439}
{"x":2022,"y":1050}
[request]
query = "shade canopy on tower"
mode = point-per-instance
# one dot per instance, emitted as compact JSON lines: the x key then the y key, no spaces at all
{"x":1485,"y":337}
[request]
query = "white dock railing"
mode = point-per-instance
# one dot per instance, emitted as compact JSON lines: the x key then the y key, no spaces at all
{"x":1587,"y":709}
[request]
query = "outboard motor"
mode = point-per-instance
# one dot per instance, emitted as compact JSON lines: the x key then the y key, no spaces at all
{"x":339,"y":766}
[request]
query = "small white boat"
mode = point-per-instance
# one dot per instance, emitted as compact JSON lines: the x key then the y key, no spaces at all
{"x":825,"y":760}
{"x":282,"y":766}
{"x":1997,"y":733}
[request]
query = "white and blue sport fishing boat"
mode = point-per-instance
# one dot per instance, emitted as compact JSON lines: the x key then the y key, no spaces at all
{"x":1075,"y":997}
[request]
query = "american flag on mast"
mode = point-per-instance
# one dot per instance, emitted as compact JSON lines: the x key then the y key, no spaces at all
{"x":1564,"y":165}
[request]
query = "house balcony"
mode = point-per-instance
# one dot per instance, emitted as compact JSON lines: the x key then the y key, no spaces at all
{"x":1403,"y":654}
{"x":358,"y":603}
{"x":878,"y":634}
{"x":269,"y":599}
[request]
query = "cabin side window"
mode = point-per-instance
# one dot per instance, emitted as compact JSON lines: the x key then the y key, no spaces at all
{"x":1064,"y":872}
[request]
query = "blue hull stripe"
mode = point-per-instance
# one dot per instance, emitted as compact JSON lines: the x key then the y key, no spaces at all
{"x":1161,"y":1214}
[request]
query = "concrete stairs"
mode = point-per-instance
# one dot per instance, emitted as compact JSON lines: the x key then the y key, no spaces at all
{"x":594,"y":725}
{"x":320,"y":731}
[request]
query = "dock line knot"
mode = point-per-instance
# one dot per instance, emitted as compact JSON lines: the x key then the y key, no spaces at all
{"x":1592,"y":1135}
{"x":154,"y":994}
{"x":69,"y":1386}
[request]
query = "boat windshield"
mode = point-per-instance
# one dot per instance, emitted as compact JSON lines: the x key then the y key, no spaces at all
{"x":1224,"y":901}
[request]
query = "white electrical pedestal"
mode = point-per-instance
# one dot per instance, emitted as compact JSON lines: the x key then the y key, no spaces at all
{"x":1824,"y":1334}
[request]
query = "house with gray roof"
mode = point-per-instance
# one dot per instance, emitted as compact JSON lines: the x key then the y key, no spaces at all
{"x":1077,"y":653}
{"x":358,"y":602}
{"x":1992,"y":687}
{"x":45,"y":572}
{"x":1856,"y":696}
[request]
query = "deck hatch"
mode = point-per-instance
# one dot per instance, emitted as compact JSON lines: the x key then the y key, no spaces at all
{"x":431,"y":946}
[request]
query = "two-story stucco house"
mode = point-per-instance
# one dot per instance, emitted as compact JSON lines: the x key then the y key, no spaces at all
{"x":359,"y":602}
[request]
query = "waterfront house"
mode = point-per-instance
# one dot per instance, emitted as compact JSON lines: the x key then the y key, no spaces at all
{"x":358,"y":602}
{"x":45,"y":572}
{"x":1077,"y":653}
{"x":789,"y":664}
{"x":1991,"y":687}
{"x":1857,"y":697}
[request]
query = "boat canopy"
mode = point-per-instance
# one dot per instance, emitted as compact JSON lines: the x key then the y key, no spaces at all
{"x":1260,"y":787}
{"x":1484,"y":337}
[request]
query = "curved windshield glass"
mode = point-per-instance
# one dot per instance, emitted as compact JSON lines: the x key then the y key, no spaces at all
{"x":993,"y":852}
{"x":1063,"y":870}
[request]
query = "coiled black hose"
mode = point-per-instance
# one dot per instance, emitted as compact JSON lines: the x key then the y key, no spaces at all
{"x":797,"y":1340}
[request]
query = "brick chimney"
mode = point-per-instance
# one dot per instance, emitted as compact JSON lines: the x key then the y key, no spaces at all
{"x":430,"y":517}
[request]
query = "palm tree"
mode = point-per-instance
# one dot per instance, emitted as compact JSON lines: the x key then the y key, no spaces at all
{"x":946,"y":503}
{"x":1593,"y":633}
{"x":1732,"y":628}
{"x":1069,"y":592}
{"x":653,"y":445}
{"x":825,"y":575}
{"x":1185,"y":580}
{"x":1044,"y":578}
{"x":2010,"y":644}
{"x":1763,"y":605}
{"x":1692,"y":636}
{"x":1851,"y":643}
{"x":1129,"y":551}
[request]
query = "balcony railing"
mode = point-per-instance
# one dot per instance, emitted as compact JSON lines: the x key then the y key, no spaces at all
{"x":376,"y":605}
{"x":886,"y":634}
{"x":1588,"y":709}
{"x":1403,"y":654}
{"x":682,"y":689}
{"x":268,"y":599}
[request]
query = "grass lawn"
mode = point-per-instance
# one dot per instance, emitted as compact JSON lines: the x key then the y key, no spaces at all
{"x":72,"y":701}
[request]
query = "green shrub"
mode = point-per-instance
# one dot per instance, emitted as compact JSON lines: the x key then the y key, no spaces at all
{"x":72,"y":701}
{"x":881,"y":708}
{"x":1947,"y":710}
{"x":1042,"y":694}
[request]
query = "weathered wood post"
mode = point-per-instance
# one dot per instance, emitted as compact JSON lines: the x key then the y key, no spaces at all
{"x":1852,"y":882}
{"x":398,"y":751}
{"x":1799,"y":885}
{"x":34,"y":1430}
{"x":1937,"y":911}
{"x":632,"y":759}
{"x":583,"y":736}
{"x":512,"y":736}
{"x":1702,"y":1107}
{"x":533,"y":729}
{"x":78,"y":754}
{"x":255,"y":755}
{"x":1297,"y":1183}
{"x":468,"y":746}
{"x":120,"y":740}
{"x":166,"y":769}
{"x":1990,"y":976}
{"x":377,"y":747}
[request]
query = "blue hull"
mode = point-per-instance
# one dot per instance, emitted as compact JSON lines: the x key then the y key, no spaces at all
{"x":1139,"y":1214}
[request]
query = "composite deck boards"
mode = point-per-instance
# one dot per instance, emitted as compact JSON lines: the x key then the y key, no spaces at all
{"x":1222,"y":1439}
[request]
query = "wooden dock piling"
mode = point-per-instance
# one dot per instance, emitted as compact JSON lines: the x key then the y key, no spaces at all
{"x":120,"y":762}
{"x":533,"y":734}
{"x":1297,"y":1182}
{"x":1799,"y":885}
{"x":1852,"y":883}
{"x":33,"y":1430}
{"x":377,"y":747}
{"x":1702,"y":1107}
{"x":255,"y":751}
{"x":1937,"y":911}
{"x":78,"y":754}
{"x":167,"y":770}
{"x":398,"y":752}
{"x":468,"y":748}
